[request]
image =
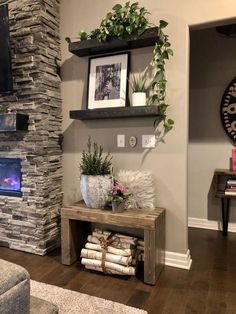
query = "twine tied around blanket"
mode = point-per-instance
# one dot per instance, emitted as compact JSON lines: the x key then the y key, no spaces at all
{"x":105,"y":242}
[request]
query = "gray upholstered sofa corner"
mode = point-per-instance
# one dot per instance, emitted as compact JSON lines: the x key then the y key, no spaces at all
{"x":14,"y":289}
{"x":15,"y":292}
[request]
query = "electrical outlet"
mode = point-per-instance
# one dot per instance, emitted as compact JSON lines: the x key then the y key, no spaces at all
{"x":120,"y":140}
{"x":148,"y":141}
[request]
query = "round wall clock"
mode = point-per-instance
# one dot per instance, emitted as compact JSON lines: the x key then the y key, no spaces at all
{"x":228,"y":110}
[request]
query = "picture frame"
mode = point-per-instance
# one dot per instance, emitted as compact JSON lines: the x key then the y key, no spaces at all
{"x":108,"y":81}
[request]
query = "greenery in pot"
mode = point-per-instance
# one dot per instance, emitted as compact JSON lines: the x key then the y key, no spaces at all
{"x":121,"y":21}
{"x":93,"y":162}
{"x":138,"y":83}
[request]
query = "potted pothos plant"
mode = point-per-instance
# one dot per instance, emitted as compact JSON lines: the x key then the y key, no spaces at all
{"x":121,"y":22}
{"x":95,"y":178}
{"x":132,"y":20}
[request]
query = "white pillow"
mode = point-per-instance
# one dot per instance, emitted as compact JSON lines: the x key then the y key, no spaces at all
{"x":141,"y":186}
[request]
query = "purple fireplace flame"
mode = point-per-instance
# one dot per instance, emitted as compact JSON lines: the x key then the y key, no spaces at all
{"x":10,"y":176}
{"x":12,"y":183}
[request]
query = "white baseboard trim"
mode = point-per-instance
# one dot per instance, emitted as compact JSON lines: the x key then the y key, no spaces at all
{"x":178,"y":260}
{"x":209,"y":224}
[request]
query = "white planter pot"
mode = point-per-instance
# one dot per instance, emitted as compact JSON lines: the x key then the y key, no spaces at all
{"x":139,"y":99}
{"x":94,"y":190}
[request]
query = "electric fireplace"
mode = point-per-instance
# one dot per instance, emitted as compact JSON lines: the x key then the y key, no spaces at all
{"x":10,"y":176}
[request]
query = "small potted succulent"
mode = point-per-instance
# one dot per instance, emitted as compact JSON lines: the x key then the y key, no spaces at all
{"x":117,"y":197}
{"x":138,"y":86}
{"x":95,"y":179}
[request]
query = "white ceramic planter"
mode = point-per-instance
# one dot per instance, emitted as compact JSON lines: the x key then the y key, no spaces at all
{"x":94,"y":189}
{"x":139,"y":99}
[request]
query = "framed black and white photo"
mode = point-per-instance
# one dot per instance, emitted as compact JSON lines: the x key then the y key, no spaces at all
{"x":107,"y":81}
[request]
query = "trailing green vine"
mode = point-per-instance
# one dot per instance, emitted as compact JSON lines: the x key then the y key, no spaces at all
{"x":162,"y":51}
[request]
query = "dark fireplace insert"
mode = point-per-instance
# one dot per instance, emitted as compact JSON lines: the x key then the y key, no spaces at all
{"x":10,"y":176}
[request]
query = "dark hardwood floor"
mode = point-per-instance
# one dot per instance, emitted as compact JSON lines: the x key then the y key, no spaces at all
{"x":209,"y":287}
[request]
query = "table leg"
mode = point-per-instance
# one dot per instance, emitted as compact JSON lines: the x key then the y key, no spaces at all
{"x":225,"y":203}
{"x":68,"y":249}
{"x":154,"y":251}
{"x":73,"y":238}
{"x":149,"y":257}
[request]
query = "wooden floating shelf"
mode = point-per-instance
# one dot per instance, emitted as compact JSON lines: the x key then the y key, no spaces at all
{"x":12,"y":122}
{"x":113,"y":113}
{"x":93,"y":46}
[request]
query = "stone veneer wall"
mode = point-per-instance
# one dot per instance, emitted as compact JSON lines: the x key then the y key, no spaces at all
{"x":31,"y":223}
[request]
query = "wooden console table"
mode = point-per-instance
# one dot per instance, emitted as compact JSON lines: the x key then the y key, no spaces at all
{"x":76,"y":225}
{"x":220,"y":179}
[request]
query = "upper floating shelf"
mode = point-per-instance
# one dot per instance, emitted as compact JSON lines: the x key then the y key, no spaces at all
{"x":93,"y":46}
{"x":117,"y":112}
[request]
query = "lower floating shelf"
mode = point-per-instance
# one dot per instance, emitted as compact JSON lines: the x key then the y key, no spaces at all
{"x":117,"y":112}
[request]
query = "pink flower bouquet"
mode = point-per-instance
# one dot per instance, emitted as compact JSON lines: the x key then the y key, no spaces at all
{"x":118,"y":193}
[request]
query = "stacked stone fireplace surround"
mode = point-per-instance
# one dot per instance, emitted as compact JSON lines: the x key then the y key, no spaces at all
{"x":31,"y":223}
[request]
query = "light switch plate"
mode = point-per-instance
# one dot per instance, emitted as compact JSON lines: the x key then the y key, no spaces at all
{"x":120,"y":140}
{"x":148,"y":141}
